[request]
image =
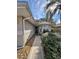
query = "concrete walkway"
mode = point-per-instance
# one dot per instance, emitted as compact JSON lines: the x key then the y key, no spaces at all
{"x":36,"y":51}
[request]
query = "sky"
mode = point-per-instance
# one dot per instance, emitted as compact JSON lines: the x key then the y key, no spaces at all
{"x":57,"y":17}
{"x":37,"y":9}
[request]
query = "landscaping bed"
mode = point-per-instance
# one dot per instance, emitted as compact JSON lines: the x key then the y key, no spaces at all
{"x":52,"y":46}
{"x":23,"y":52}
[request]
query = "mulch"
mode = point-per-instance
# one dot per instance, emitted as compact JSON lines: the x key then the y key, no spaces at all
{"x":23,"y":52}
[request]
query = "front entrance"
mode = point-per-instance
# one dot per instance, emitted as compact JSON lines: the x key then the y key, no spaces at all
{"x":36,"y":30}
{"x":45,"y":30}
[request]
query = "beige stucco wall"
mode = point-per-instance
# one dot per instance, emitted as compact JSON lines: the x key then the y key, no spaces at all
{"x":19,"y":32}
{"x":28,"y":31}
{"x":22,"y":9}
{"x":24,"y":31}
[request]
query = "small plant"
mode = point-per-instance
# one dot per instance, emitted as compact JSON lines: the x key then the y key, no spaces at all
{"x":52,"y":46}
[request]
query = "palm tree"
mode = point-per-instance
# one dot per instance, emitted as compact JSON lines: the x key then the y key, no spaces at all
{"x":51,"y":8}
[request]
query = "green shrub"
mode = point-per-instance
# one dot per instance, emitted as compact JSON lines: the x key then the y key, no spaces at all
{"x":52,"y":46}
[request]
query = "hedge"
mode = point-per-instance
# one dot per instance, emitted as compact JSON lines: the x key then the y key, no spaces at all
{"x":52,"y":46}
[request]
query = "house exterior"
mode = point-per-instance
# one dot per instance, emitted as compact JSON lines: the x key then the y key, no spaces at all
{"x":25,"y":24}
{"x":43,"y":26}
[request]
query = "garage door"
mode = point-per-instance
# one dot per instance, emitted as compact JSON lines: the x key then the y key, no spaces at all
{"x":19,"y":32}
